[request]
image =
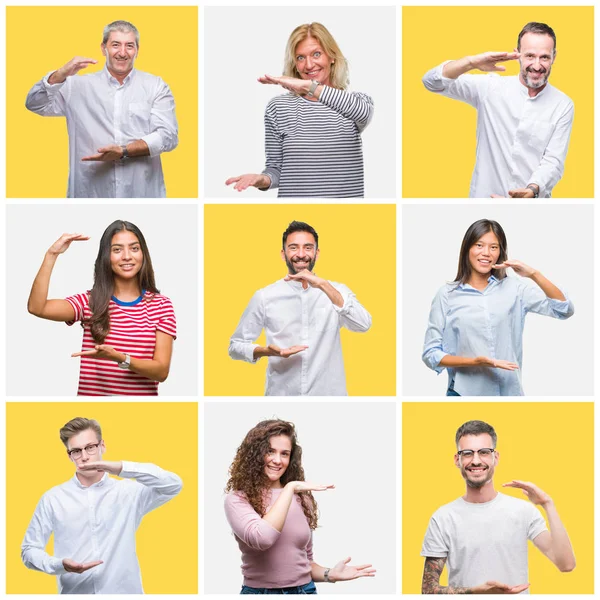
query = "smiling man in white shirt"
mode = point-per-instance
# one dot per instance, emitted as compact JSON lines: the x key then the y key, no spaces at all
{"x":119,"y":120}
{"x":94,"y":517}
{"x":302,"y":315}
{"x":523,"y":122}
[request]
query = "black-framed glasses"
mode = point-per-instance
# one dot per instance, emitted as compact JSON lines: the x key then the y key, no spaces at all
{"x":89,"y":449}
{"x":483,"y":453}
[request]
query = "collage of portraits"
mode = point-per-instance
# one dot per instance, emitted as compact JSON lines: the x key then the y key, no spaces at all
{"x":328,"y":279}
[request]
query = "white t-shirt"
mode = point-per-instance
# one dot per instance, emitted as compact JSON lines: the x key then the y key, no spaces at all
{"x":484,"y":542}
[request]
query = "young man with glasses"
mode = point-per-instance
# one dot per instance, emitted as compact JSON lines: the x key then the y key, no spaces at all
{"x":483,"y":535}
{"x":94,"y":517}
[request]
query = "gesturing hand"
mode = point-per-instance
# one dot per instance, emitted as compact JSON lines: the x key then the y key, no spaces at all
{"x":71,"y":68}
{"x":243,"y":182}
{"x":345,"y":572}
{"x":73,"y":566}
{"x":104,"y":466}
{"x":64,"y":241}
{"x":495,"y":587}
{"x":292,"y":84}
{"x":497,"y":363}
{"x":520,"y":268}
{"x":532,"y":491}
{"x":284,"y":352}
{"x":521,"y":193}
{"x":307,"y":486}
{"x":305,"y":275}
{"x":108,"y":153}
{"x":487,"y":61}
{"x":101,"y":351}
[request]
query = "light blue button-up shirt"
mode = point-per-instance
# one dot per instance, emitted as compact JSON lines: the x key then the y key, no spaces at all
{"x":467,"y":322}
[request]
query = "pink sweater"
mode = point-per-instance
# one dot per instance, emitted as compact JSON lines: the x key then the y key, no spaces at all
{"x":271,"y":559}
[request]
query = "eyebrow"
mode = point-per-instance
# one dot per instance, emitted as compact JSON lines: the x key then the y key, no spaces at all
{"x":83,"y":447}
{"x":121,"y":245}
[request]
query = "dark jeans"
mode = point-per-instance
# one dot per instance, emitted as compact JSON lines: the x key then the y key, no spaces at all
{"x":307,"y":588}
{"x":451,"y":393}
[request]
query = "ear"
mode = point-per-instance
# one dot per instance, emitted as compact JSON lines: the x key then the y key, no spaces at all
{"x":317,"y":253}
{"x":497,"y":456}
{"x":516,"y":50}
{"x":103,"y":49}
{"x":69,"y":456}
{"x":102,"y":447}
{"x":283,"y":255}
{"x":457,"y":460}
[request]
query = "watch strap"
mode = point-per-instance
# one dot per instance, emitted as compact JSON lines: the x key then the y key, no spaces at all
{"x":125,"y":153}
{"x":313,"y":86}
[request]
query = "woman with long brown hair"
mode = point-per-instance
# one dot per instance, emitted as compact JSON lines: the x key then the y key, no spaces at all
{"x":313,"y":132}
{"x":476,"y":322}
{"x":128,"y":326}
{"x":272,"y":512}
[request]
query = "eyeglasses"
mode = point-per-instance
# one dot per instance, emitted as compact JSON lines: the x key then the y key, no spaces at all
{"x":90,"y":449}
{"x":483,"y":453}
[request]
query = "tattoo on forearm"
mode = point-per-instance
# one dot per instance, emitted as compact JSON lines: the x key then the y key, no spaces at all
{"x":431,"y":579}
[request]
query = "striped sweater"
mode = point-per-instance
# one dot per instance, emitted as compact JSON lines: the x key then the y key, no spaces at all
{"x":133,"y":330}
{"x":314,"y":149}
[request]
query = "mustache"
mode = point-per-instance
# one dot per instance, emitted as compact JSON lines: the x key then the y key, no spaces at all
{"x":531,"y":69}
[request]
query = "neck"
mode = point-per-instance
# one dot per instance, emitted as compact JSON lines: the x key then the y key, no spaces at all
{"x":533,"y":92}
{"x":478,"y":280}
{"x":127,"y":290}
{"x":120,"y":77}
{"x":89,"y":479}
{"x":482,"y":494}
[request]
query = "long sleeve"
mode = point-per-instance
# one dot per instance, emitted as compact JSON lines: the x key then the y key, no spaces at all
{"x":38,"y":533}
{"x":47,"y":100}
{"x":534,"y":300}
{"x":247,"y":524}
{"x":241,"y":345}
{"x":433,"y":350}
{"x":273,"y":146}
{"x":160,"y":486}
{"x":355,"y":106}
{"x":552,"y":165}
{"x":354,"y":316}
{"x":467,"y":88}
{"x":163,"y":123}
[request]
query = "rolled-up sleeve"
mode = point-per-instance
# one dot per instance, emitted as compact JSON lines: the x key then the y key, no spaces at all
{"x":273,"y":146}
{"x":433,"y":351}
{"x":241,"y":345}
{"x":247,"y":524}
{"x":467,"y":88}
{"x":535,"y":301}
{"x":163,"y":123}
{"x":354,"y":316}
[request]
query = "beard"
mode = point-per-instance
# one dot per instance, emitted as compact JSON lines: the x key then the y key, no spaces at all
{"x":478,"y":484}
{"x":293,"y":268}
{"x":545,"y":74}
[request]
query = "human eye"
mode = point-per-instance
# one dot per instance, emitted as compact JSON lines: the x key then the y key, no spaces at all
{"x":317,"y":54}
{"x":485,"y":452}
{"x":467,"y":453}
{"x":299,"y":58}
{"x":479,"y":245}
{"x":135,"y":248}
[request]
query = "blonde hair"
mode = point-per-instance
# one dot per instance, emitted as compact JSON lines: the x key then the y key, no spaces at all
{"x":77,"y":425}
{"x":339,"y":77}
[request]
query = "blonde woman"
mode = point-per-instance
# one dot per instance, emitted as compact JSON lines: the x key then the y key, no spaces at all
{"x":313,"y":132}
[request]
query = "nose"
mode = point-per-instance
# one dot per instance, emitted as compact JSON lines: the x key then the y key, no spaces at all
{"x":126,"y":254}
{"x":277,"y":459}
{"x":301,"y":252}
{"x":309,"y":63}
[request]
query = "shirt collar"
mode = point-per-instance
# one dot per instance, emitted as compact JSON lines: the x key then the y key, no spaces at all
{"x":525,"y":90}
{"x":113,"y":81}
{"x":297,"y":285}
{"x":491,"y":279}
{"x":100,"y":483}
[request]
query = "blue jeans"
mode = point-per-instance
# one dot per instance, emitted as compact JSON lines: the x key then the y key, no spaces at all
{"x":307,"y":588}
{"x":452,"y":393}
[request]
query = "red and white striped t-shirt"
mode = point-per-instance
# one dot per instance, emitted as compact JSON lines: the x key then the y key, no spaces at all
{"x":133,"y":328}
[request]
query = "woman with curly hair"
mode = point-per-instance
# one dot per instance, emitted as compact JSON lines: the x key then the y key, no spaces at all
{"x":128,"y":326}
{"x":273,"y":513}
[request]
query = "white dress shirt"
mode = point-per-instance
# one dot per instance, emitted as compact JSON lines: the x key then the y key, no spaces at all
{"x":464,"y":321}
{"x":100,"y":111}
{"x":97,"y":523}
{"x":520,"y":140}
{"x":292,"y":315}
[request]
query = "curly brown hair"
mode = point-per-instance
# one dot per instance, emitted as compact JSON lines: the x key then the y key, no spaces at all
{"x":247,"y":471}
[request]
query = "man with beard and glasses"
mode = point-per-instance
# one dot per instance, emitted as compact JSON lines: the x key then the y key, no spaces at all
{"x":523,"y":122}
{"x":483,"y":535}
{"x":120,"y":120}
{"x":302,"y":315}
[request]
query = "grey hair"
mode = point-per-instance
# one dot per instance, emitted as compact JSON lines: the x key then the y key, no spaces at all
{"x":122,"y":26}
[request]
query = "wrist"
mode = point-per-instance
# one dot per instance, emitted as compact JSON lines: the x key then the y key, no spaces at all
{"x":329,"y":576}
{"x":56,"y":77}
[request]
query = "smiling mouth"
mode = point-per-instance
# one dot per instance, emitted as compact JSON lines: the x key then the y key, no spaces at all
{"x":477,"y":470}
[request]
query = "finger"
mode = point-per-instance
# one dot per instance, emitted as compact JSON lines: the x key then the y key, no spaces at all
{"x":84,"y":353}
{"x":499,"y":68}
{"x":232,"y":180}
{"x":496,"y":196}
{"x":91,"y":565}
{"x":92,"y":157}
{"x":361,"y":567}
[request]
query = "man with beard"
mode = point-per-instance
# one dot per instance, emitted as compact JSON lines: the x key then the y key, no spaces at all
{"x":483,"y":535}
{"x":302,"y":315}
{"x":523,"y":122}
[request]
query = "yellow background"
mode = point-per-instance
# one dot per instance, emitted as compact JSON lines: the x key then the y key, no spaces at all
{"x":41,"y":39}
{"x":243,"y":254}
{"x":159,"y":433}
{"x":438,"y":139}
{"x":549,"y":444}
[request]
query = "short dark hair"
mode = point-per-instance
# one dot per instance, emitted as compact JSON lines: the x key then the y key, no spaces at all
{"x":539,"y":28}
{"x":295,"y":226}
{"x":476,"y":428}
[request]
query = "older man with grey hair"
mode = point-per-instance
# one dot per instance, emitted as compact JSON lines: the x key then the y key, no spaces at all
{"x":120,"y":120}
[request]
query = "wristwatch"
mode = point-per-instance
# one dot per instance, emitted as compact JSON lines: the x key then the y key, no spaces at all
{"x":326,"y":576}
{"x":126,"y":364}
{"x":125,"y":153}
{"x":535,"y":189}
{"x":313,"y":86}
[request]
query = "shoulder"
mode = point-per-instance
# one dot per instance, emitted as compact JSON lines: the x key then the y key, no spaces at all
{"x":157,"y":300}
{"x":275,"y":287}
{"x":444,"y":292}
{"x":148,"y":78}
{"x":446,"y":510}
{"x":516,"y":505}
{"x":283,"y":101}
{"x":559,"y":97}
{"x":235,"y":499}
